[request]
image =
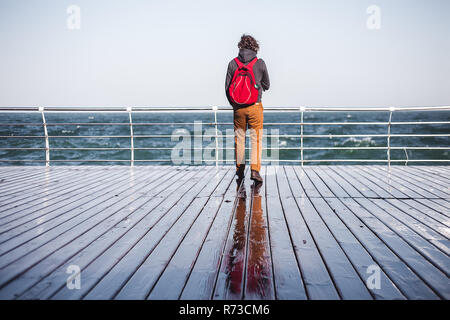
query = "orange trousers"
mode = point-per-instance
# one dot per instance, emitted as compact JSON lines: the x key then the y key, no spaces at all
{"x":252,"y":117}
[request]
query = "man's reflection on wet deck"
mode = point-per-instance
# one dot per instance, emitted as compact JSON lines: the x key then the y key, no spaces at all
{"x":237,"y":251}
{"x":258,"y":261}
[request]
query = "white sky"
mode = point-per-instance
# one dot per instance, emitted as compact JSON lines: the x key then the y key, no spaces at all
{"x":175,"y":52}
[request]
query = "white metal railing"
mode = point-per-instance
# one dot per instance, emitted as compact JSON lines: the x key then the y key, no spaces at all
{"x":216,"y":110}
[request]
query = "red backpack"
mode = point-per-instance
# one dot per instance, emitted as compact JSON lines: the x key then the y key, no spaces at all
{"x":243,"y":89}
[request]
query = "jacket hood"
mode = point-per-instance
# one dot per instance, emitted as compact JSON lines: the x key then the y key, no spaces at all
{"x":246,"y":55}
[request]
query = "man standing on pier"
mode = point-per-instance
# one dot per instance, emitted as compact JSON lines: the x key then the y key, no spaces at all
{"x":246,"y":79}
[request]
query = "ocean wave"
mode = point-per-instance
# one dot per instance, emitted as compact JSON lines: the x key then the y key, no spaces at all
{"x":355,"y":142}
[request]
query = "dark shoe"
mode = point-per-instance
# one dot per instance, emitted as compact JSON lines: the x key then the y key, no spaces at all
{"x":255,"y":176}
{"x":240,"y":172}
{"x":240,"y":177}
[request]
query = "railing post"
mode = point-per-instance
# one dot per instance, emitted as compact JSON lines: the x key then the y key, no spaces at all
{"x":47,"y":146}
{"x":217,"y":141}
{"x":302,"y":110}
{"x":391,"y":109}
{"x":129,"y":109}
{"x":407,"y":158}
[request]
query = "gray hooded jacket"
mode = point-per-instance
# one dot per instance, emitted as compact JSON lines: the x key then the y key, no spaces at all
{"x":259,"y":70}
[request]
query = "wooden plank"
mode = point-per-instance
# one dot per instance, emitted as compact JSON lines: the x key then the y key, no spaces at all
{"x":140,"y":282}
{"x":422,"y":213}
{"x":336,"y":188}
{"x":202,"y":278}
{"x":174,"y":277}
{"x":434,"y":213}
{"x":365,"y":228}
{"x":12,"y":171}
{"x":419,"y":186}
{"x":22,"y":229}
{"x":26,"y":184}
{"x":435,"y":278}
{"x":421,"y":171}
{"x":356,"y":253}
{"x":348,"y":182}
{"x":57,"y":180}
{"x":444,"y":203}
{"x":306,"y":183}
{"x":107,"y":229}
{"x":386,"y":183}
{"x":297,"y":189}
{"x":351,"y":189}
{"x":418,"y":235}
{"x":39,"y":223}
{"x":44,"y":204}
{"x":40,"y":192}
{"x":441,"y":171}
{"x":356,"y":178}
{"x":102,"y":254}
{"x":44,"y":175}
{"x":24,"y":174}
{"x":57,"y":187}
{"x":318,"y":183}
{"x":436,"y":178}
{"x":393,"y":181}
{"x":111,"y":271}
{"x":317,"y":280}
{"x":346,"y":279}
{"x":421,"y":179}
{"x":333,"y":185}
{"x":54,"y":191}
{"x":258,"y":283}
{"x":73,"y":239}
{"x":436,"y":205}
{"x":45,"y":198}
{"x":381,"y":192}
{"x":287,"y":277}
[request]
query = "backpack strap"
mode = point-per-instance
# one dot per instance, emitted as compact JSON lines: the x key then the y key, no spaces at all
{"x":248,"y":66}
{"x":252,"y":63}
{"x":238,"y":62}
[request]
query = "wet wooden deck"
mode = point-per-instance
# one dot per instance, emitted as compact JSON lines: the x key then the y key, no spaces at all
{"x":164,"y":232}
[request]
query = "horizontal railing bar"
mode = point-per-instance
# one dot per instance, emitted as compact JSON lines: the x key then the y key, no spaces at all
{"x":96,"y":137}
{"x":78,"y":160}
{"x":348,"y":123}
{"x":108,"y":123}
{"x":277,"y":148}
{"x":354,"y":123}
{"x":65,"y":148}
{"x":219,"y":123}
{"x":263,"y":160}
{"x":224,"y":136}
{"x":293,"y":109}
{"x":361,"y":135}
{"x":208,"y":109}
{"x":358,"y":160}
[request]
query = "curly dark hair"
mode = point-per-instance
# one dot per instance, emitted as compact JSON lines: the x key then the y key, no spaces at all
{"x":248,"y":42}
